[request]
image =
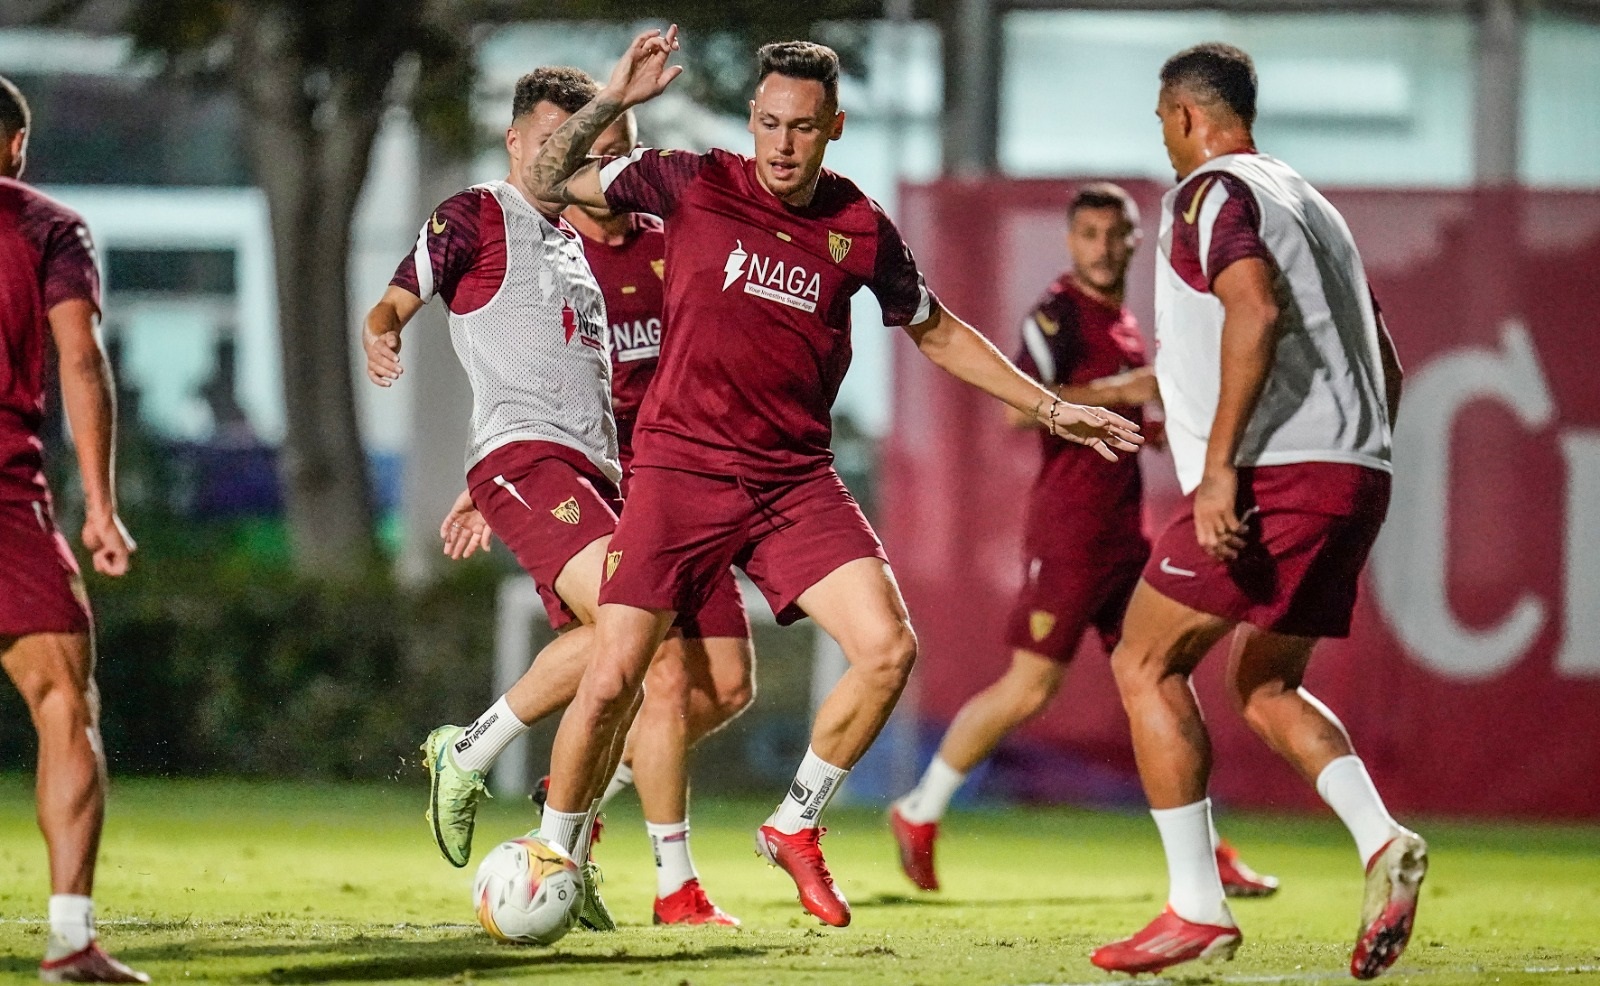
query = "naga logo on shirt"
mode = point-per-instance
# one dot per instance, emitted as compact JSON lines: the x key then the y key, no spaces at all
{"x":636,"y":340}
{"x":772,"y":280}
{"x":572,"y":325}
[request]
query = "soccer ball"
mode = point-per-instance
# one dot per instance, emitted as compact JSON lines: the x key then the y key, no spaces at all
{"x":528,"y":891}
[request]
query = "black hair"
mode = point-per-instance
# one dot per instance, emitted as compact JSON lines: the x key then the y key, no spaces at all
{"x":569,"y":88}
{"x":801,"y":60}
{"x":1215,"y":73}
{"x":14,"y":115}
{"x":1103,"y":195}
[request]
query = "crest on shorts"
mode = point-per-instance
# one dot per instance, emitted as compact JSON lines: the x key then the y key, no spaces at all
{"x":567,"y":511}
{"x":838,"y":246}
{"x":1046,"y":324}
{"x":1040,"y":624}
{"x":613,"y":559}
{"x":660,"y":267}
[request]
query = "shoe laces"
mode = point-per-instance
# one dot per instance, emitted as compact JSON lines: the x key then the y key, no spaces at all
{"x":808,"y":846}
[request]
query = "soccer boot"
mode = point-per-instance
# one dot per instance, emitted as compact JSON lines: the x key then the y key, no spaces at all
{"x":1167,"y":941}
{"x":1239,"y":880}
{"x":690,"y":905}
{"x":915,"y":840}
{"x":595,"y":915}
{"x":800,"y":855}
{"x":89,"y":964}
{"x":1389,"y":909}
{"x":452,"y":798}
{"x":541,"y":794}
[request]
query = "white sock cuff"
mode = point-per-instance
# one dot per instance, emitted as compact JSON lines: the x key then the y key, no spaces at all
{"x":1201,"y":807}
{"x":624,"y":775}
{"x":71,"y":920}
{"x":1338,"y":767}
{"x":562,"y":828}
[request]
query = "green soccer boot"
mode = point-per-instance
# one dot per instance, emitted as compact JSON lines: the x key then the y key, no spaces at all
{"x":453,"y":796}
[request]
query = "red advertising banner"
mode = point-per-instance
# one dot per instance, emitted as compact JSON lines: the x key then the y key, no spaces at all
{"x":1471,"y":682}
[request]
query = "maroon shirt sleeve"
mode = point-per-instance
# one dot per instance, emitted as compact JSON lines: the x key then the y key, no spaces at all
{"x":650,"y":180}
{"x":1236,"y":234}
{"x":69,"y":268}
{"x":449,"y":240}
{"x":896,"y":281}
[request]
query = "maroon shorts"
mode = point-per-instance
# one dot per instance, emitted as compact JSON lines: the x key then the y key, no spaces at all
{"x":682,"y":530}
{"x":1312,"y":528}
{"x":547,"y":502}
{"x":1064,"y":595}
{"x":722,"y":613}
{"x":40,"y":589}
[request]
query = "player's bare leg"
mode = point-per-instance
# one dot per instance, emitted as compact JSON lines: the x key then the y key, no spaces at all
{"x":661,"y":737}
{"x":458,"y":758}
{"x":1266,"y":671}
{"x":859,"y":605}
{"x":601,"y":711}
{"x":54,"y":672}
{"x":982,"y":723}
{"x":1163,"y":641}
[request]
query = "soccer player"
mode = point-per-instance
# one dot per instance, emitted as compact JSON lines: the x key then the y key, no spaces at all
{"x":1281,"y":386}
{"x":732,"y":463}
{"x":711,"y":663}
{"x":50,"y":292}
{"x":1083,"y":542}
{"x":528,"y":323}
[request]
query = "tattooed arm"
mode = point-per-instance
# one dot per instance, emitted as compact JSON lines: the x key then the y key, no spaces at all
{"x":562,"y":172}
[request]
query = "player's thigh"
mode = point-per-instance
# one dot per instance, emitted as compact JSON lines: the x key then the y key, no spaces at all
{"x":1161,"y":636}
{"x":42,"y":665}
{"x":859,"y":605}
{"x":1262,"y":662}
{"x":1034,"y":675}
{"x":578,"y":583}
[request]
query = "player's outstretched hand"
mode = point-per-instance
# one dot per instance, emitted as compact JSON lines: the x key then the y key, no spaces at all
{"x":383,"y":357}
{"x":643,"y":73}
{"x":109,"y":543}
{"x":464,"y":530}
{"x":1107,"y":432}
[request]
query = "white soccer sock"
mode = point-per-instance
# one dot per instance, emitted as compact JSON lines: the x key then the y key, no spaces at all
{"x":674,"y":867}
{"x":814,"y":785}
{"x":1216,"y":837}
{"x":484,"y":737}
{"x":1347,"y":788}
{"x":620,"y":781}
{"x":71,"y":924}
{"x":927,"y":801}
{"x":586,"y":833}
{"x":562,"y":828}
{"x":1195,"y":888}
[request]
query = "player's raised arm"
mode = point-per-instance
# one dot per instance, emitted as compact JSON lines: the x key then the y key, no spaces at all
{"x":91,"y":406}
{"x":963,"y":352}
{"x":562,"y":172}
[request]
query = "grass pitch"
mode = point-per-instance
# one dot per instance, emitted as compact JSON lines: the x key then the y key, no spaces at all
{"x":258,"y":883}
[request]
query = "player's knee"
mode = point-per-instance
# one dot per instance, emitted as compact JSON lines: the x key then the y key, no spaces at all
{"x":1136,"y":668}
{"x":891,"y":655}
{"x":609,"y":688}
{"x":56,"y":703}
{"x":732,"y":699}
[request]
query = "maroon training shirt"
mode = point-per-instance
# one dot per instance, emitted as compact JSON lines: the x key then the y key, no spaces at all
{"x":1079,"y":498}
{"x":630,"y":276}
{"x":758,"y":309}
{"x":46,"y":258}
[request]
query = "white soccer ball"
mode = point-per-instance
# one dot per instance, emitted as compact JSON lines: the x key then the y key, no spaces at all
{"x":528,"y":891}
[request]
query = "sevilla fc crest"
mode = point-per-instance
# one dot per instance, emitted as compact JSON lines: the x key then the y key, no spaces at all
{"x":613,"y":559}
{"x":660,"y":267}
{"x":567,"y":511}
{"x":838,"y":246}
{"x":1040,"y":623}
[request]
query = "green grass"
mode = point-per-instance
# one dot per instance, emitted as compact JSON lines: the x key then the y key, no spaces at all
{"x":257,"y":883}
